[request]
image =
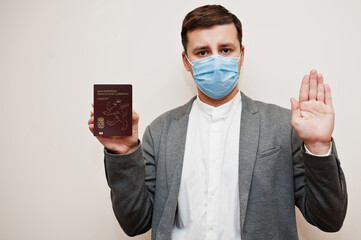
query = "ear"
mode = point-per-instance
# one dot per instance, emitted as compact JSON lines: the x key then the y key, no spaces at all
{"x":242,"y":57}
{"x":186,"y":64}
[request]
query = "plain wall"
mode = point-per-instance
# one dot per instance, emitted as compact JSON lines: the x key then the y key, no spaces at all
{"x":52,"y":179}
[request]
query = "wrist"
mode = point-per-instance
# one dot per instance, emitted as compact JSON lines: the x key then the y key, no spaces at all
{"x":318,"y":148}
{"x":132,"y":149}
{"x":127,"y":149}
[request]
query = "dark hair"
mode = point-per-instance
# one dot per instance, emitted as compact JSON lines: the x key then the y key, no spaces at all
{"x":208,"y":16}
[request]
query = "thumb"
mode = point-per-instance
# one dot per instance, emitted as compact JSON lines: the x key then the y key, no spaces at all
{"x":135,"y":118}
{"x":295,"y":109}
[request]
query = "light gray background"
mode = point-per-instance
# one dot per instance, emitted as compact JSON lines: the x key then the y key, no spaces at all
{"x":52,"y":178}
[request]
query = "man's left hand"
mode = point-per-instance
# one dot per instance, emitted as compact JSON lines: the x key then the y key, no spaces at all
{"x":313,"y":116}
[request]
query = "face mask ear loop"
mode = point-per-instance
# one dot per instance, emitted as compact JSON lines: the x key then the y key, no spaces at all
{"x":239,"y":57}
{"x":188,"y":59}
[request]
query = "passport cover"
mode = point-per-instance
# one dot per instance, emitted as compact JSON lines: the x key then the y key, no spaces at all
{"x":112,"y":110}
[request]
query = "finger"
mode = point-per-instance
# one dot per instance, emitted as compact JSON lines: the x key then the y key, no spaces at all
{"x":320,"y":88}
{"x":313,"y":85}
{"x":135,"y":118}
{"x":91,"y":121}
{"x":305,"y":85}
{"x":328,"y":97}
{"x":91,"y":128}
{"x":92,"y":110}
{"x":295,"y":110}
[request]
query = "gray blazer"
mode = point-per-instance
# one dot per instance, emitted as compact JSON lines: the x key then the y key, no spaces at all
{"x":275,"y":174}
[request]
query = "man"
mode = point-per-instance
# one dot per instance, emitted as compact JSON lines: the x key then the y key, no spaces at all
{"x":224,"y":166}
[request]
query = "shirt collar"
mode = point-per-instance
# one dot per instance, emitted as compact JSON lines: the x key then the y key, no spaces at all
{"x":221,"y":111}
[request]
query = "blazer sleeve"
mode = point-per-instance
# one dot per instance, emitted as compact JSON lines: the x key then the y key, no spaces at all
{"x":320,"y":187}
{"x":131,"y":178}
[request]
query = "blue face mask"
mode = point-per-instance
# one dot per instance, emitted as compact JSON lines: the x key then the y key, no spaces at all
{"x":215,"y":76}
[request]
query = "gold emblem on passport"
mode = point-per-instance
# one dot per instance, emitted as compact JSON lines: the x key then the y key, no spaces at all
{"x":117,"y":113}
{"x":100,"y":122}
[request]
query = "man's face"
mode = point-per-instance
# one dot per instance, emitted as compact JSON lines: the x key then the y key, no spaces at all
{"x":219,"y":39}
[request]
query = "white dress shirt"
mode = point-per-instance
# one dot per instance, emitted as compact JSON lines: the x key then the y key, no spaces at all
{"x":208,"y":202}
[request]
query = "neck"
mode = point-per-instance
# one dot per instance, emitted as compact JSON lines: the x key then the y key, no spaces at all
{"x":220,"y":101}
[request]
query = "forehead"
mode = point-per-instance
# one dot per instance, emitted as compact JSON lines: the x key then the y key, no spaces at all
{"x":212,"y":36}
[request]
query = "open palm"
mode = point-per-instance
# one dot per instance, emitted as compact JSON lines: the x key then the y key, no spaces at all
{"x":313,"y":116}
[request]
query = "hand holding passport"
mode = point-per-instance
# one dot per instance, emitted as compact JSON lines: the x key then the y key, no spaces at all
{"x":113,"y":122}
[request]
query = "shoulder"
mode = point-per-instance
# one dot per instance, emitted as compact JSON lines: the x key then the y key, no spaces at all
{"x":271,"y":117}
{"x":274,"y":122}
{"x":273,"y":111}
{"x":165,"y":119}
{"x":265,"y":110}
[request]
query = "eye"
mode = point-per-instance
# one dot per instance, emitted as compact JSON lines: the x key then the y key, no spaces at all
{"x":202,"y":53}
{"x":226,"y":51}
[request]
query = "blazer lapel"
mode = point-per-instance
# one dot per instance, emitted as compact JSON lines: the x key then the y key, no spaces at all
{"x":248,"y":144}
{"x":175,"y":150}
{"x":176,"y":139}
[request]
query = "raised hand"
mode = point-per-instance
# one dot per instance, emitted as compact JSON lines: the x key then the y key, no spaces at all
{"x":313,"y":116}
{"x":118,"y":144}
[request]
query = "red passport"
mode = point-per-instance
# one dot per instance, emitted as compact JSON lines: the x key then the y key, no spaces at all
{"x":112,"y":110}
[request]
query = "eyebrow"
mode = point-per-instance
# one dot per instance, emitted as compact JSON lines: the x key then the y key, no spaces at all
{"x":227,"y":45}
{"x":200,"y":48}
